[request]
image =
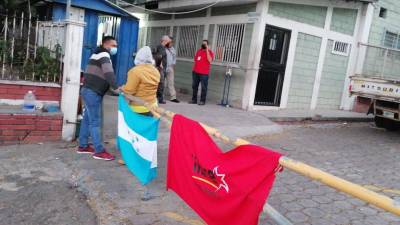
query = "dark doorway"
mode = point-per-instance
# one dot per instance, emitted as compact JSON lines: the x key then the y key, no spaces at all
{"x":272,"y":66}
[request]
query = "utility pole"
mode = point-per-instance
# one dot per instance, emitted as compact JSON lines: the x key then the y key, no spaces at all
{"x":74,"y":29}
{"x":68,"y":10}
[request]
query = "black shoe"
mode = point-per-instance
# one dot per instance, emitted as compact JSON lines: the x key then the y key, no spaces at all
{"x":175,"y":100}
{"x":202,"y":103}
{"x":162,"y":102}
{"x":192,"y":102}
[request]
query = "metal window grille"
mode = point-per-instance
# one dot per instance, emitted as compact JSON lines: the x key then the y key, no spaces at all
{"x":187,"y":39}
{"x":108,"y":25}
{"x":155,"y":34}
{"x":341,"y":48}
{"x":31,"y":50}
{"x":229,"y":40}
{"x":391,"y":40}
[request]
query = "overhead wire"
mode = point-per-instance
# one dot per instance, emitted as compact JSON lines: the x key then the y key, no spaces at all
{"x":173,"y":13}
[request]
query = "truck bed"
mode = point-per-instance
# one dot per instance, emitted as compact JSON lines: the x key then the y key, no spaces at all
{"x":375,"y":88}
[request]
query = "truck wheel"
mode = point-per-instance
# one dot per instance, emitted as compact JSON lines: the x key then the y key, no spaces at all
{"x":391,"y":125}
{"x":379,"y":122}
{"x":388,"y":124}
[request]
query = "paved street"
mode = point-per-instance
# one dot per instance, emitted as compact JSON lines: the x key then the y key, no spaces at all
{"x":357,"y":152}
{"x":51,"y":184}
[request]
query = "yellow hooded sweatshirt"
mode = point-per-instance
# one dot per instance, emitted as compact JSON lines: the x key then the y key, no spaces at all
{"x":142,"y":82}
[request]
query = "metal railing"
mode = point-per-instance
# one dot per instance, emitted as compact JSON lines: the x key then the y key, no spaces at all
{"x":31,"y":50}
{"x":380,"y":62}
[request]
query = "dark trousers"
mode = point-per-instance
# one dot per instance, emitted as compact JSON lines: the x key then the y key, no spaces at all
{"x":197,"y":79}
{"x":161,"y":85}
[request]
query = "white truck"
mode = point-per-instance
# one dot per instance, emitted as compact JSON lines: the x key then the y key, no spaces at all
{"x":385,"y":96}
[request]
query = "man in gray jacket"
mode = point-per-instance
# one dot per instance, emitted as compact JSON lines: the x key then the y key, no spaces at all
{"x":161,"y":50}
{"x":171,"y":62}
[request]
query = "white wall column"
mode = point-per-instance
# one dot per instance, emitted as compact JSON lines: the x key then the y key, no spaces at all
{"x":289,"y":68}
{"x":357,"y":57}
{"x":207,"y":25}
{"x":321,"y":59}
{"x":363,"y":35}
{"x":171,"y":28}
{"x":71,"y":75}
{"x":255,"y":56}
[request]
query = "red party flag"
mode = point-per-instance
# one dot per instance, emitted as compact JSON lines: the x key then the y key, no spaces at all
{"x":223,"y":188}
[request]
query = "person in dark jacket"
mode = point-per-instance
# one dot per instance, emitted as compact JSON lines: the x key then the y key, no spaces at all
{"x":161,"y":50}
{"x":99,"y":77}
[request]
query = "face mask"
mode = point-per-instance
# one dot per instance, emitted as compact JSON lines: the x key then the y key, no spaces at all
{"x":203,"y":46}
{"x":113,"y":51}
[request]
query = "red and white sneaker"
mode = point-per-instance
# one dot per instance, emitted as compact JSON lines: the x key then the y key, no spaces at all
{"x":87,"y":150}
{"x":104,"y":156}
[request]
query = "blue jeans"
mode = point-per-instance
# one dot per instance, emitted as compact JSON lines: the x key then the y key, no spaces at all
{"x":91,"y":122}
{"x":197,"y":79}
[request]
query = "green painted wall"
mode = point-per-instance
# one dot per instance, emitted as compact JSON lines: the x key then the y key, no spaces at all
{"x":374,"y":59}
{"x":202,"y":13}
{"x":231,"y":10}
{"x":248,"y":33}
{"x":211,"y":34}
{"x":313,"y":15}
{"x":157,"y":16}
{"x":183,"y":75}
{"x":304,"y":70}
{"x":391,"y":22}
{"x":141,"y":37}
{"x":183,"y":82}
{"x":344,"y":20}
{"x":332,"y":80}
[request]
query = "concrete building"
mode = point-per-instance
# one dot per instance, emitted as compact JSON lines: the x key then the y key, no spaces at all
{"x":285,"y":53}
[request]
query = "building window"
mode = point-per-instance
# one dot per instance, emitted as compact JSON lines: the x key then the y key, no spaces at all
{"x":383,"y":12}
{"x":391,"y":40}
{"x":229,"y":40}
{"x":186,"y":41}
{"x":154,"y":35}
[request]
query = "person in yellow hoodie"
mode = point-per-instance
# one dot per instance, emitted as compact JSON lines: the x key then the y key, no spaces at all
{"x":143,"y":80}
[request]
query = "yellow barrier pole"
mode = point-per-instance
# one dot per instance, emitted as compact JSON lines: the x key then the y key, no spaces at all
{"x":355,"y":190}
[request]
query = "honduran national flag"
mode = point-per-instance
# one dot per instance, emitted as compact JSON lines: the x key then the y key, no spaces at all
{"x":137,"y":141}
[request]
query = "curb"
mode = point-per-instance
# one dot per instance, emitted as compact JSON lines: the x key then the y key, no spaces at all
{"x":321,"y":119}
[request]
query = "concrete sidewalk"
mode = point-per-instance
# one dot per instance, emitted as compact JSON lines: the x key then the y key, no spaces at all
{"x":237,"y":123}
{"x":231,"y":122}
{"x":296,"y":115}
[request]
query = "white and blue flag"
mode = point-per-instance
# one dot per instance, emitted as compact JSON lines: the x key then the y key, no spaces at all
{"x":137,"y":141}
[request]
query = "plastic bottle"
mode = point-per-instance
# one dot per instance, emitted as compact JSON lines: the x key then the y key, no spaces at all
{"x":29,"y":102}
